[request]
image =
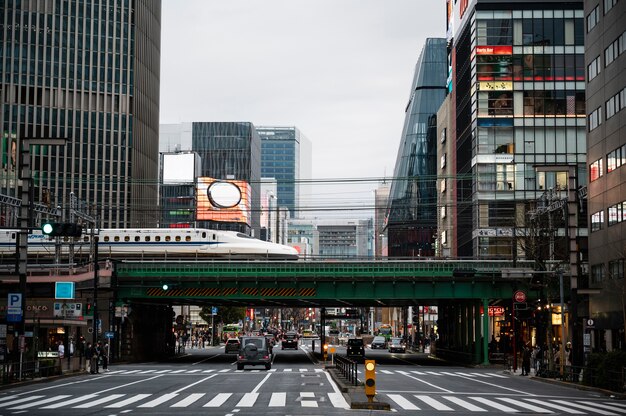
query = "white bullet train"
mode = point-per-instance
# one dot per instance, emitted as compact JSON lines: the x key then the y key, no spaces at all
{"x":155,"y":242}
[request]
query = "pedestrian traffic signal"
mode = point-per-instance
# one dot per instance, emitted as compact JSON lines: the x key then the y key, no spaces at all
{"x":370,"y":379}
{"x":62,"y":229}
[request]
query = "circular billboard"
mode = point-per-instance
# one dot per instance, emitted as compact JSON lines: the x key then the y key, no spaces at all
{"x":224,"y":194}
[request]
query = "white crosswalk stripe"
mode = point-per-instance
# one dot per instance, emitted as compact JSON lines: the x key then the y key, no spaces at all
{"x":71,"y":401}
{"x":556,"y":406}
{"x":98,"y":402}
{"x":18,"y":401}
{"x":278,"y":400}
{"x":192,"y":398}
{"x":583,"y":407}
{"x":402,"y":402}
{"x":435,"y":404}
{"x":386,"y":372}
{"x":128,"y":401}
{"x":464,"y":404}
{"x":497,"y":375}
{"x":159,"y":400}
{"x":605,"y":406}
{"x":39,"y":402}
{"x":218,"y":400}
{"x":248,"y":400}
{"x":495,"y":405}
{"x":525,"y":405}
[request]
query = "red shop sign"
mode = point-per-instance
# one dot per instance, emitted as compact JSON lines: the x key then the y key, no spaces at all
{"x":496,"y":311}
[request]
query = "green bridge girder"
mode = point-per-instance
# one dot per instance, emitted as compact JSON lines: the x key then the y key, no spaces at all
{"x":315,"y":283}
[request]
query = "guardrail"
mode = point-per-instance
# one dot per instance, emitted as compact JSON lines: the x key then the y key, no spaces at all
{"x":347,"y":367}
{"x":28,"y":370}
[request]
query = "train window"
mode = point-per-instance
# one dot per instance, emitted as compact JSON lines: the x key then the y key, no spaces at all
{"x":116,"y":238}
{"x":188,"y":238}
{"x":126,"y":238}
{"x":147,"y":238}
{"x":177,"y":238}
{"x":106,"y":238}
{"x":86,"y":239}
{"x":213,"y":237}
{"x":168,"y":238}
{"x":137,"y":238}
{"x":203,"y":235}
{"x":157,"y":238}
{"x":242,"y":235}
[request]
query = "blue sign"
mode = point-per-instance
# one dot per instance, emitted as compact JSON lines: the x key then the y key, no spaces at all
{"x":64,"y":290}
{"x":214,"y":310}
{"x":14,"y":307}
{"x":109,"y":334}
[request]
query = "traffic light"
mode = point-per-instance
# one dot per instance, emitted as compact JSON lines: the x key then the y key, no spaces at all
{"x":89,"y":309}
{"x":325,"y":352}
{"x":62,"y":229}
{"x":370,"y":379}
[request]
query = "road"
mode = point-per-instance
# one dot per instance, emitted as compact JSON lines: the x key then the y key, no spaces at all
{"x":206,"y":382}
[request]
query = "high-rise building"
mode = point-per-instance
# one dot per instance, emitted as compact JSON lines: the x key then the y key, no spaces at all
{"x":518,"y":117}
{"x":412,"y":208}
{"x":231,"y":151}
{"x":333,"y":238}
{"x":605,"y":44}
{"x":286,"y":156}
{"x":88,"y":72}
{"x":381,"y":197}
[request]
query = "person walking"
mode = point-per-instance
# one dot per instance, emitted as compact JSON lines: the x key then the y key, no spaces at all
{"x":105,"y":357}
{"x":89,"y":358}
{"x":526,"y":361}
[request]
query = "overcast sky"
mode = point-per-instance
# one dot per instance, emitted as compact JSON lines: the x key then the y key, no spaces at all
{"x":339,"y":70}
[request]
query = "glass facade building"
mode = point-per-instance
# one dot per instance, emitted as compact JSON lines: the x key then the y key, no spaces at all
{"x":231,"y":150}
{"x":412,"y":206}
{"x":285,"y":156}
{"x":518,"y":97}
{"x":89,"y":72}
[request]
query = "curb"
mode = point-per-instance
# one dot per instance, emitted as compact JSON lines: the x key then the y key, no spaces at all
{"x":351,"y":390}
{"x":609,"y":393}
{"x":370,"y":406}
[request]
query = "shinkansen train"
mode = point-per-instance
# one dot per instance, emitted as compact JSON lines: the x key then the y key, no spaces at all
{"x":154,"y":242}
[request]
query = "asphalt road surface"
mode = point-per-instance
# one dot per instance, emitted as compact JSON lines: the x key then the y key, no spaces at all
{"x":206,"y":381}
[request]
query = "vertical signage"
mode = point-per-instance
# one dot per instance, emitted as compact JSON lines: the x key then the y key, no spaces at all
{"x":14,"y":307}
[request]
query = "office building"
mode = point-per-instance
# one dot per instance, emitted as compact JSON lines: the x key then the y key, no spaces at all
{"x":231,"y":151}
{"x":381,"y":198}
{"x":286,"y":156}
{"x":412,"y":207}
{"x":518,"y":116}
{"x":88,"y":72}
{"x":333,"y":238}
{"x":605,"y":60}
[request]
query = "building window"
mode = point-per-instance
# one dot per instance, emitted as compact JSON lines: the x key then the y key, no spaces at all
{"x":444,"y":237}
{"x":595,"y":119}
{"x":614,"y":50}
{"x":443,"y":161}
{"x":614,"y":160}
{"x":597,"y":273}
{"x":608,"y":5}
{"x":616,"y":269}
{"x":597,"y":221}
{"x":443,"y":185}
{"x":593,"y":18}
{"x":615,"y":103}
{"x":617,"y":213}
{"x":596,"y":170}
{"x":443,"y":135}
{"x":593,"y":69}
{"x":443,"y":211}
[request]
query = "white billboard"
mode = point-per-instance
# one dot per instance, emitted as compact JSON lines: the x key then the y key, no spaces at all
{"x":179,"y":168}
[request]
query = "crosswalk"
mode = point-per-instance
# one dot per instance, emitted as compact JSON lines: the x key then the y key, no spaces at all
{"x":174,"y":401}
{"x":475,"y":375}
{"x":471,"y":403}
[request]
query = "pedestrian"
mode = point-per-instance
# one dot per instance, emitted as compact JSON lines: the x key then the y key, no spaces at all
{"x":89,"y":358}
{"x":526,"y":361}
{"x":61,"y":349}
{"x":105,"y":357}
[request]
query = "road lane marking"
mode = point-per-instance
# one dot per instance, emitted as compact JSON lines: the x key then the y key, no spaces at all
{"x":192,"y":398}
{"x":497,"y":375}
{"x":433,"y":373}
{"x":177,"y":371}
{"x":71,"y":401}
{"x":128,"y":384}
{"x":404,"y":373}
{"x":556,"y":406}
{"x":159,"y":400}
{"x":495,"y":385}
{"x":8,"y":397}
{"x":308,"y":403}
{"x":525,"y":405}
{"x":162,"y":371}
{"x":338,"y":400}
{"x":193,"y":371}
{"x":248,"y":400}
{"x":193,"y":384}
{"x":605,"y":406}
{"x":495,"y":405}
{"x":287,"y":370}
{"x":419,"y":373}
{"x":258,"y":386}
{"x":224,"y":371}
{"x":481,"y":375}
{"x":131,"y":371}
{"x":40,"y":402}
{"x":591,"y":409}
{"x":402,"y":402}
{"x":128,"y":401}
{"x":147,"y":371}
{"x":97,"y":402}
{"x":307,"y":394}
{"x":218,"y":400}
{"x":278,"y":400}
{"x":386,"y":372}
{"x":466,"y":405}
{"x":437,"y":405}
{"x":18,"y":401}
{"x":465,"y":374}
{"x":208,"y":371}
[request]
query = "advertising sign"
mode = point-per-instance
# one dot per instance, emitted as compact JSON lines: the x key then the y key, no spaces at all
{"x":64,"y":290}
{"x":496,"y":311}
{"x":223,"y":200}
{"x":494,"y":50}
{"x":68,"y":310}
{"x":14,"y":307}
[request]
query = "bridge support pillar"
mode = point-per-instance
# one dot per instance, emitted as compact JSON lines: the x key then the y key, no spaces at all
{"x":485,"y":331}
{"x":479,"y":336}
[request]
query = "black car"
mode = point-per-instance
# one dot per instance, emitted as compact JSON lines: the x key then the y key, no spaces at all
{"x":232,"y":345}
{"x":290,"y":340}
{"x":254,"y":351}
{"x":397,"y":344}
{"x":355,"y":348}
{"x":379,"y":343}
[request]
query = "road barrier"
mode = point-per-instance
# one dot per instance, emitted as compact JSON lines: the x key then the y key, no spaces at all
{"x":347,"y":367}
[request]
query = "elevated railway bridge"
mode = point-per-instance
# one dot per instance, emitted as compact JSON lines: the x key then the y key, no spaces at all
{"x":462,"y":289}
